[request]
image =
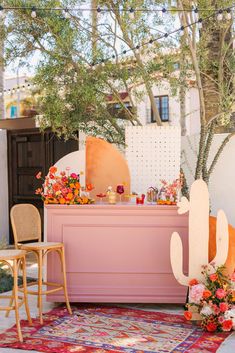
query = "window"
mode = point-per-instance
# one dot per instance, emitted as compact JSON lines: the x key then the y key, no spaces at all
{"x":163,"y":108}
{"x":117,"y":110}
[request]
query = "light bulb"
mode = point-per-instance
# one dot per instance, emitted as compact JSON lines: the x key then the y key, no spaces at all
{"x":220,"y":16}
{"x":228,"y":15}
{"x":132,"y":13}
{"x":33,"y":13}
{"x":2,"y":13}
{"x":67,"y":14}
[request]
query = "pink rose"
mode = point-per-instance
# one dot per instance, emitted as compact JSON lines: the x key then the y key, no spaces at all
{"x":213,"y":277}
{"x":220,"y":319}
{"x":223,"y":307}
{"x":74,"y":176}
{"x":195,"y":293}
{"x":216,"y":309}
{"x":220,"y":293}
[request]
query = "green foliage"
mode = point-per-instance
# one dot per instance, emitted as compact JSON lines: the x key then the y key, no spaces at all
{"x":71,"y":96}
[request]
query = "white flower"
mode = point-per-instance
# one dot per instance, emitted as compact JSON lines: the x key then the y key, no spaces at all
{"x":206,"y":310}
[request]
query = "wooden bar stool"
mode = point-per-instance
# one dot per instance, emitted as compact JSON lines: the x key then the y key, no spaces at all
{"x":26,"y":225}
{"x":13,"y":259}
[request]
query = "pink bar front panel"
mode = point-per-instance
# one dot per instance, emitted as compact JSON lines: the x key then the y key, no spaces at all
{"x":116,"y":253}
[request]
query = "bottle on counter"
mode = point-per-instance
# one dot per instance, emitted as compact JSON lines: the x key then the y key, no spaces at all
{"x":112,"y":196}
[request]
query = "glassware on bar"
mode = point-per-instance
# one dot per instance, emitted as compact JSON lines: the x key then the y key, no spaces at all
{"x":140,"y":199}
{"x":152,"y":195}
{"x":101,"y":196}
{"x":120,"y":190}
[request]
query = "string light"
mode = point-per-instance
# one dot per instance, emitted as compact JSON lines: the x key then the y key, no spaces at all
{"x":199,"y":22}
{"x":33,"y":13}
{"x":67,"y":14}
{"x":220,"y":15}
{"x":228,"y":14}
{"x":132,"y":13}
{"x":98,"y":9}
{"x":181,"y":31}
{"x":1,"y":12}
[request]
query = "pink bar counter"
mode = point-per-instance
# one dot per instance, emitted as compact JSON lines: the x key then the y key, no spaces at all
{"x":116,"y":253}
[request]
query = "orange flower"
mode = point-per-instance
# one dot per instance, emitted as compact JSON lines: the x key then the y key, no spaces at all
{"x":72,"y":185}
{"x":38,"y":191}
{"x":89,"y":187}
{"x":77,"y":185}
{"x":76,"y":192}
{"x":62,"y":201}
{"x":206,"y":293}
{"x":56,"y":187}
{"x":53,"y":170}
{"x":85,"y":200}
{"x":188,"y":315}
{"x":193,"y":282}
{"x":69,"y":196}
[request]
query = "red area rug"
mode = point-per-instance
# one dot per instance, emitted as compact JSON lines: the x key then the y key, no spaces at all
{"x":101,"y":329}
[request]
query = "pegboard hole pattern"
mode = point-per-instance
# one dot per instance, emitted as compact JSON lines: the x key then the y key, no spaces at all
{"x":152,"y":153}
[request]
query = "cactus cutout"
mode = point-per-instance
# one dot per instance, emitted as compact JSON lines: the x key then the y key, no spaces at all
{"x":198,"y":208}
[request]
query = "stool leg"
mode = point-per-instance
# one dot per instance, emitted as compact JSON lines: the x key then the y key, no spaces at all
{"x":62,"y":257}
{"x":15,"y":276}
{"x":10,"y":303}
{"x":25,"y":290}
{"x":12,"y":296}
{"x":40,"y":285}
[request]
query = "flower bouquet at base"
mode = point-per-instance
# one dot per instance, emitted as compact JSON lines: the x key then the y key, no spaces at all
{"x":212,"y":300}
{"x":168,"y":193}
{"x":61,"y":188}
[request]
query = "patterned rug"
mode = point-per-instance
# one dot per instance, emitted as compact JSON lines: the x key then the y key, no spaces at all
{"x":102,"y":329}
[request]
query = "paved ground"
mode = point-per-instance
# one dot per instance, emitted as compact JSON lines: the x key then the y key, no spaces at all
{"x":227,"y":347}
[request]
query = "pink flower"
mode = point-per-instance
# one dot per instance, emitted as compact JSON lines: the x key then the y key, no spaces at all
{"x":39,"y":175}
{"x":216,"y":309}
{"x":220,"y":293}
{"x":220,"y":319}
{"x":223,"y":307}
{"x":195,"y":293}
{"x":74,"y":176}
{"x":213,"y":277}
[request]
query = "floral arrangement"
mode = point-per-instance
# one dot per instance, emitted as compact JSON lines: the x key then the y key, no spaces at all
{"x":63,"y":188}
{"x":214,"y":299}
{"x":169,"y":192}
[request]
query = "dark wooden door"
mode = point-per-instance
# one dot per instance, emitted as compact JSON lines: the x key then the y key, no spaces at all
{"x":29,"y":152}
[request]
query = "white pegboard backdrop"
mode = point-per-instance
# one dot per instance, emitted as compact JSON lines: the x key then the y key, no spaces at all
{"x":152,"y":153}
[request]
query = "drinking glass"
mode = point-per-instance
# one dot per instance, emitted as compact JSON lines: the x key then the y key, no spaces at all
{"x":120,"y":190}
{"x":101,"y":196}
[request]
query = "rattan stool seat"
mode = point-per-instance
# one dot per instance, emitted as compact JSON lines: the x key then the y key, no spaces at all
{"x":11,"y":254}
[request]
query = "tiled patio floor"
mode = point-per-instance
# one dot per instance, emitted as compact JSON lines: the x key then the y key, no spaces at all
{"x":227,"y":347}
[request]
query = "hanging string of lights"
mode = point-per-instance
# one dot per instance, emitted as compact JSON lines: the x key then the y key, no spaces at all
{"x":180,"y":30}
{"x":220,"y":14}
{"x":99,"y":9}
{"x":17,"y":89}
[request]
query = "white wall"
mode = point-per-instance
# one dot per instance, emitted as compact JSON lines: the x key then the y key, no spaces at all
{"x":222,"y":182}
{"x":4,"y":216}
